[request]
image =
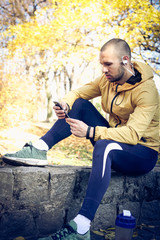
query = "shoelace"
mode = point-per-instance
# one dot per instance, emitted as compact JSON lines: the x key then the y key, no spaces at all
{"x":28,"y":145}
{"x":64,"y":232}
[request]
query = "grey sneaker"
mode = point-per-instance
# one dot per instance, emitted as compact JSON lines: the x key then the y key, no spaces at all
{"x":28,"y":156}
{"x":69,"y":232}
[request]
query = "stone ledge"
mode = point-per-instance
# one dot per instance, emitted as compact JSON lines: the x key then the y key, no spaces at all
{"x":37,"y":201}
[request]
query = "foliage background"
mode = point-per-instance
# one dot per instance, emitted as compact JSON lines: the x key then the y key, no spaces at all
{"x":50,"y":47}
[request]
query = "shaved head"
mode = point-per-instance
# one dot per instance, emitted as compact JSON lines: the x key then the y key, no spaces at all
{"x":121,"y":47}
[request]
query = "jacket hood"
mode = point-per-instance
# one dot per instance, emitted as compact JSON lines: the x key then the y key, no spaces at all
{"x":145,"y":70}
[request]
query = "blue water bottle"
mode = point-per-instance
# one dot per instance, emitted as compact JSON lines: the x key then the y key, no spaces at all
{"x":125,"y":224}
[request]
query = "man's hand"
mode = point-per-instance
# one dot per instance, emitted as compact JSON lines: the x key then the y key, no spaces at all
{"x":78,"y":128}
{"x":59,"y":112}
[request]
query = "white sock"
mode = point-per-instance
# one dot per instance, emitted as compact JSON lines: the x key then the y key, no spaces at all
{"x":83,"y":223}
{"x":41,"y":145}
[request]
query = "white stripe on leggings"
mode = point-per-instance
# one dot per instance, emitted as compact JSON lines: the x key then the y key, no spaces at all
{"x":110,"y":146}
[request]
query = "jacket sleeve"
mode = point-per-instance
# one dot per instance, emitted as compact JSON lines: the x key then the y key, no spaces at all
{"x":146,"y":107}
{"x":88,"y":91}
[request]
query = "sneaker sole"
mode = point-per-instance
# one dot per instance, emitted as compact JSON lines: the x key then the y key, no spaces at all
{"x":24,"y":161}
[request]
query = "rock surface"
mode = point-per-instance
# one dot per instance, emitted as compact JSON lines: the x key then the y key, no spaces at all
{"x":37,"y":201}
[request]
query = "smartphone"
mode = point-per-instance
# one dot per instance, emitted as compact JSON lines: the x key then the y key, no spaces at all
{"x":59,"y":105}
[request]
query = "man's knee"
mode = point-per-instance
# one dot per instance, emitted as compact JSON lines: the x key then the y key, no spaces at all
{"x":80,"y":102}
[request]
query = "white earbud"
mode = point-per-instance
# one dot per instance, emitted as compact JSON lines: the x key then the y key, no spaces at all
{"x":124,"y":61}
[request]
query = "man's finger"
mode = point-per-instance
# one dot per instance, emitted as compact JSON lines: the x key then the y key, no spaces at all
{"x":71,"y":120}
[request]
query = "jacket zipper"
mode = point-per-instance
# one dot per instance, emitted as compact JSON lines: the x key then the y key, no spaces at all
{"x":113,"y":102}
{"x":114,"y":98}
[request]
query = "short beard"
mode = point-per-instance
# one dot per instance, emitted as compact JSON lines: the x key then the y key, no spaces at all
{"x":120,"y":74}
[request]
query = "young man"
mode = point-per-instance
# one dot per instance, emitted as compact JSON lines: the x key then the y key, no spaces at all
{"x":129,"y":143}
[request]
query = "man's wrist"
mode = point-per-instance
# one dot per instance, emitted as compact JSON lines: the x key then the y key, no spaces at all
{"x":67,"y":109}
{"x":91,"y":132}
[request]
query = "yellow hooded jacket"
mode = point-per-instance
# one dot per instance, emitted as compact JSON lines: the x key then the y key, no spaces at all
{"x":133,"y":108}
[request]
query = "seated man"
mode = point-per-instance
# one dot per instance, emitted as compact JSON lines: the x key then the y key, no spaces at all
{"x":128,"y":144}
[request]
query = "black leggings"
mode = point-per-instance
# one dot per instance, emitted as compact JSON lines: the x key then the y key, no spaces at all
{"x":125,"y":158}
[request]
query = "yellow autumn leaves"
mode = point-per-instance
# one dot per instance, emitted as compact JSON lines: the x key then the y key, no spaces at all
{"x":70,"y":25}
